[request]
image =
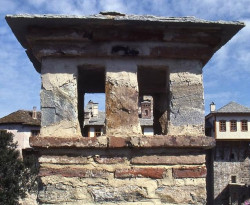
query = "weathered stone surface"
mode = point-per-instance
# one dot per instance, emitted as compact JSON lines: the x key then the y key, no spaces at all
{"x":59,"y":100}
{"x":127,"y":193}
{"x":168,"y":160}
{"x":148,"y":172}
{"x":120,"y":142}
{"x":73,"y":172}
{"x":87,"y":142}
{"x":122,"y":100}
{"x":173,"y":141}
{"x":182,"y":194}
{"x":63,"y":193}
{"x":190,"y":172}
{"x":63,"y":160}
{"x":116,"y":142}
{"x":109,"y":160}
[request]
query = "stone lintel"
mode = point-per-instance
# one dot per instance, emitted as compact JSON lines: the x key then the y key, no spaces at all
{"x":158,"y":141}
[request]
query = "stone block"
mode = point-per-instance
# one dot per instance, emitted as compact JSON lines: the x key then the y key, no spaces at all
{"x":169,"y":160}
{"x":48,"y":116}
{"x":149,"y":172}
{"x":116,"y":142}
{"x":73,"y":172}
{"x":182,"y":194}
{"x":190,"y":172}
{"x":61,"y":193}
{"x":121,"y":90}
{"x":63,"y":160}
{"x":126,"y":193}
{"x":109,"y":160}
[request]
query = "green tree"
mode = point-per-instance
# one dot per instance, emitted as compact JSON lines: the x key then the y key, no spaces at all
{"x":15,"y":173}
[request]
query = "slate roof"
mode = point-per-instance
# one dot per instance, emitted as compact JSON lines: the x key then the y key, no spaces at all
{"x":23,"y":117}
{"x":99,"y":120}
{"x":233,"y":107}
{"x":146,"y":122}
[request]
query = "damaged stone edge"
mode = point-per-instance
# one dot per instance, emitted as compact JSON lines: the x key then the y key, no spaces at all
{"x":163,"y":141}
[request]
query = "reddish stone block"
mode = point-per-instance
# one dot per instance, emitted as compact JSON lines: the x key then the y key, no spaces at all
{"x":154,"y":173}
{"x":49,"y":142}
{"x":190,"y":172}
{"x":73,"y":172}
{"x":116,"y":142}
{"x":194,"y":159}
{"x":109,"y":160}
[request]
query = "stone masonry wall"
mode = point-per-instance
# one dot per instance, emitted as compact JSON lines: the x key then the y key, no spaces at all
{"x":123,"y":176}
{"x":231,"y":159}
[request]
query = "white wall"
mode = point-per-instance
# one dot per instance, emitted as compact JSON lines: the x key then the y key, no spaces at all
{"x":232,"y":135}
{"x":91,"y":132}
{"x":148,"y":131}
{"x":21,"y":134}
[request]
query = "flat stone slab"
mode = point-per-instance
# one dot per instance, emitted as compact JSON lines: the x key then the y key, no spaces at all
{"x":156,"y":141}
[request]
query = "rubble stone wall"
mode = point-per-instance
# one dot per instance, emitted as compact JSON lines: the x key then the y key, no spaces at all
{"x":231,"y":159}
{"x":122,"y":176}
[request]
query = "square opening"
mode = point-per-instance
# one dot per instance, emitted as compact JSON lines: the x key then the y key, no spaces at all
{"x":233,"y":179}
{"x":154,"y":82}
{"x":91,"y":100}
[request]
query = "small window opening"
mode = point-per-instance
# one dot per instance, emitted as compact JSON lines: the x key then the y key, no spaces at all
{"x":233,"y":125}
{"x":154,"y":81}
{"x":91,"y":100}
{"x":233,"y":179}
{"x":244,"y":126}
{"x":222,"y":126}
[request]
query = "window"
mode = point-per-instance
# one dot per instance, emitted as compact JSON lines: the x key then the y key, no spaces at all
{"x":233,"y":179}
{"x":91,"y":93}
{"x":154,"y":81}
{"x":223,"y":126}
{"x":244,"y":126}
{"x":98,"y":132}
{"x":233,"y":125}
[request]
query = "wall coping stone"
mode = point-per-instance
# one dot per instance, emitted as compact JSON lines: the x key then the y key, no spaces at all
{"x":156,"y":141}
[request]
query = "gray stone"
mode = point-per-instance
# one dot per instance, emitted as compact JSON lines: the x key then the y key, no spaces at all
{"x":182,"y":194}
{"x":48,"y":116}
{"x":128,"y":193}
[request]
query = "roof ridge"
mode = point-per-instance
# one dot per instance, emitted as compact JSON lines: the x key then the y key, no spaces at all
{"x":234,"y":107}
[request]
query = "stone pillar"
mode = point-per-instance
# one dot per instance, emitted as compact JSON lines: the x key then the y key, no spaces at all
{"x":121,"y":88}
{"x":186,"y":99}
{"x":59,"y":99}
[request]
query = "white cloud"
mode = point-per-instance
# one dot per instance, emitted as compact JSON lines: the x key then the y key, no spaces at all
{"x":226,"y":76}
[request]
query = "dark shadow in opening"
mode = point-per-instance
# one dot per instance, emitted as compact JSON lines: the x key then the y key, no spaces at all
{"x":154,"y":81}
{"x":91,"y":79}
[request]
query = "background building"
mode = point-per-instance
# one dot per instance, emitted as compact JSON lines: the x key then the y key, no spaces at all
{"x":23,"y":124}
{"x":229,"y":125}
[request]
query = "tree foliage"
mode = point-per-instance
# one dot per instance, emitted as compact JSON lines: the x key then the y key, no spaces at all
{"x":15,"y":173}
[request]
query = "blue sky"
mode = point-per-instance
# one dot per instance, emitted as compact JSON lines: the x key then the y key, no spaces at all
{"x":226,"y":76}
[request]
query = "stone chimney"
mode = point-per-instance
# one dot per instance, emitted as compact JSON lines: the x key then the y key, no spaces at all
{"x":212,"y":107}
{"x":86,"y":117}
{"x":94,"y":109}
{"x":34,"y":113}
{"x":146,"y":109}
